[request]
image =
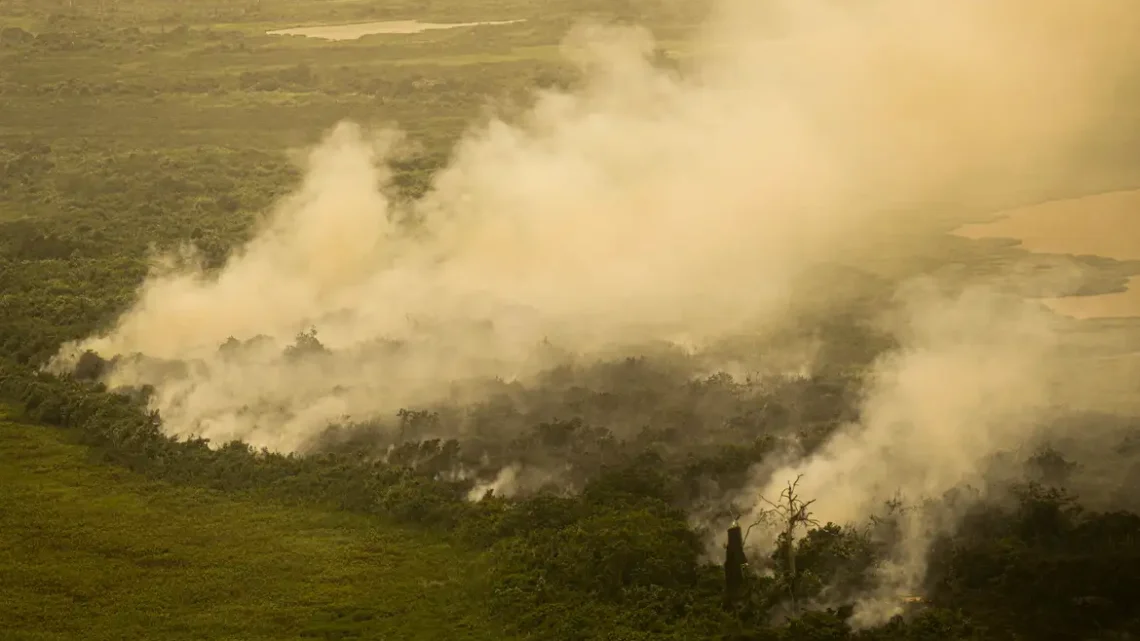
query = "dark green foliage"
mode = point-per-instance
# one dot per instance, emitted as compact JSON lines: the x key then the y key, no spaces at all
{"x":619,"y":556}
{"x":838,"y":558}
{"x":1046,"y":570}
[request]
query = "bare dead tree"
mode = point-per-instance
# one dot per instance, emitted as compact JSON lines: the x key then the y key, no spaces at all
{"x":791,"y":513}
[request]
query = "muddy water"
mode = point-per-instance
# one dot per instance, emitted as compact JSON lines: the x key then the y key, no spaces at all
{"x":1102,"y":225}
{"x":354,"y":31}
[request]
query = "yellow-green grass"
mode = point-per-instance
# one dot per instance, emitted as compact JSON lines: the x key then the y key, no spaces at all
{"x":89,"y":551}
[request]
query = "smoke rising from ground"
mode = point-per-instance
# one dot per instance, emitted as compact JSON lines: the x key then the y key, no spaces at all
{"x":648,"y":205}
{"x":654,"y":205}
{"x":971,"y":378}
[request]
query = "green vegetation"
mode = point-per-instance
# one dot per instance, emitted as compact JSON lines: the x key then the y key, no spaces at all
{"x":94,"y":552}
{"x":619,"y":560}
{"x":131,"y":124}
{"x":127,"y":125}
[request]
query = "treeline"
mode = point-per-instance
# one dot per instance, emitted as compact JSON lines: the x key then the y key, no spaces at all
{"x":620,"y":559}
{"x":267,"y":67}
{"x":88,"y":37}
{"x":394,"y":85}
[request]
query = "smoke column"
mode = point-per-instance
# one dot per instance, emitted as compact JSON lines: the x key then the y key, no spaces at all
{"x":646,"y":205}
{"x":972,"y":378}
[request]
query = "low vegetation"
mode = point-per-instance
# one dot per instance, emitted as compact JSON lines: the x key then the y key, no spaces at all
{"x":96,"y":552}
{"x":620,"y":559}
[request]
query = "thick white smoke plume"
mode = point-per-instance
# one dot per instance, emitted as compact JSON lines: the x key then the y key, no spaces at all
{"x":647,"y":205}
{"x":972,"y":377}
{"x":659,"y":205}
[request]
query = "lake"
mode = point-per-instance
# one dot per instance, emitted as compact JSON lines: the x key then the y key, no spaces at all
{"x":1103,"y":225}
{"x":359,"y":30}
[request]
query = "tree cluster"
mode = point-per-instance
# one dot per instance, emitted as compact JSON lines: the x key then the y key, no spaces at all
{"x":621,"y":554}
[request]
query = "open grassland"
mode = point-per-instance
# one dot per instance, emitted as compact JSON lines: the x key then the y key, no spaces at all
{"x":95,"y":552}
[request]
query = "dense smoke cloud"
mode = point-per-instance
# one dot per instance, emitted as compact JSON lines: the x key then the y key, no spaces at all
{"x":972,"y":377}
{"x":654,"y":205}
{"x":648,"y":205}
{"x":678,"y":207}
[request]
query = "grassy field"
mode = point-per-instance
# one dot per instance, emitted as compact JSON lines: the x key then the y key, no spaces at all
{"x":92,"y":552}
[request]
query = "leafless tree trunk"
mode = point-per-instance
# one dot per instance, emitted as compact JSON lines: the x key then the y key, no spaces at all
{"x":792,"y":513}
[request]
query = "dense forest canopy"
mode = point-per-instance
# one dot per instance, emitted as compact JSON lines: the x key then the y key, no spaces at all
{"x":582,"y":291}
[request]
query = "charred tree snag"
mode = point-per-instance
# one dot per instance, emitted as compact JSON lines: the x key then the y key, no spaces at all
{"x":734,"y":562}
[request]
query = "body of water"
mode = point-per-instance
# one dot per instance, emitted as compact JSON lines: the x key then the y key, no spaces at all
{"x":359,"y":30}
{"x":1103,"y":225}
